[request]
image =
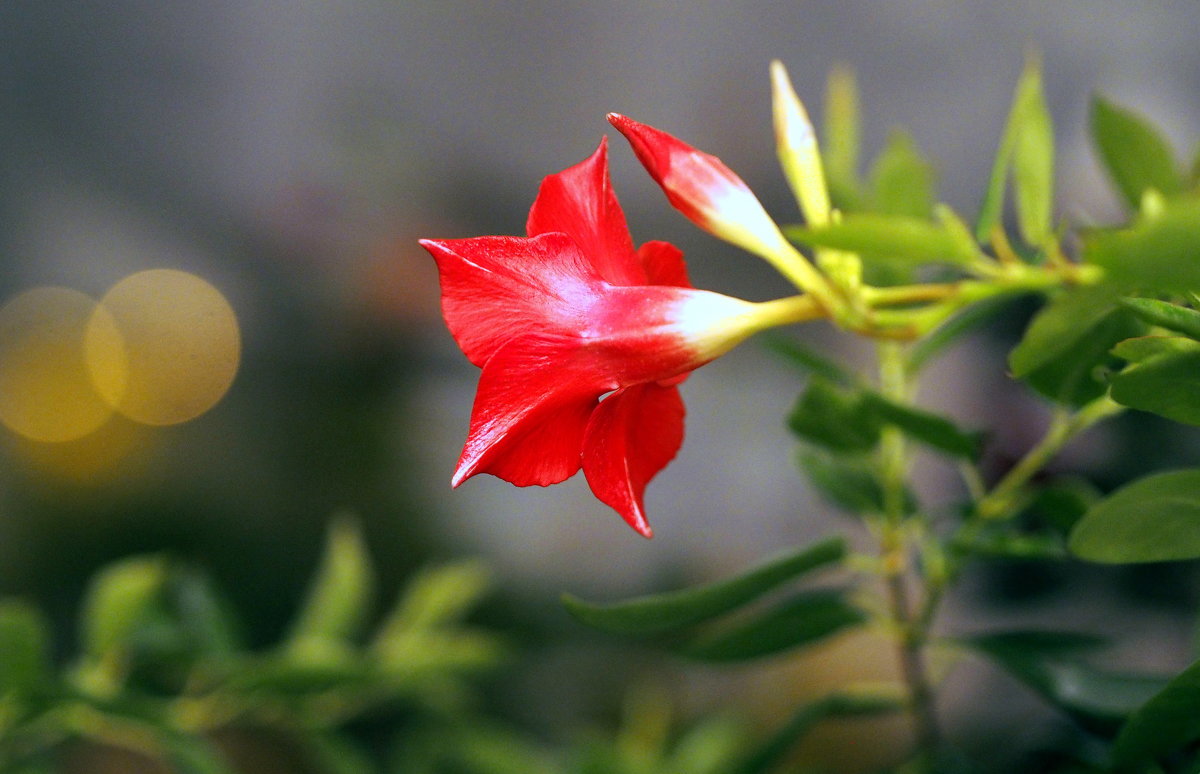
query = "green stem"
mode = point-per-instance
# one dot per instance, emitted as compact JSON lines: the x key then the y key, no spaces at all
{"x":1004,"y":498}
{"x":911,"y":625}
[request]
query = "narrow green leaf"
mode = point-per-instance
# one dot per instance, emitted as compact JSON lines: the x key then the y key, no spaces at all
{"x":1153,"y":519}
{"x":805,"y":358}
{"x":1028,"y":89}
{"x":710,"y":747}
{"x":841,"y":138}
{"x":1168,"y":721}
{"x":924,"y":427}
{"x":802,"y":620}
{"x":674,"y":610}
{"x":438,"y":596}
{"x":1135,"y":154}
{"x":339,"y":598}
{"x":118,"y":598}
{"x":773,"y":751}
{"x":285,"y":677}
{"x":835,"y":418}
{"x":1160,"y":253}
{"x":1141,"y":348}
{"x":1170,"y":316}
{"x":888,"y":238}
{"x":24,"y":648}
{"x":902,"y":179}
{"x":1033,"y":162}
{"x":202,"y":613}
{"x":1166,"y":384}
{"x":1011,"y":546}
{"x":1051,"y":664}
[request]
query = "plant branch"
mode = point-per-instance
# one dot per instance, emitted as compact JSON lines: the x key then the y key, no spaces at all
{"x":1001,"y":502}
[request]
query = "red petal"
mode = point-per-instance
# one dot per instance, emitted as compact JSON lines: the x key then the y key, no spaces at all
{"x":496,"y":288}
{"x":633,"y":434}
{"x":664,"y":264}
{"x":579,"y":202}
{"x":531,"y":409}
{"x":693,"y":181}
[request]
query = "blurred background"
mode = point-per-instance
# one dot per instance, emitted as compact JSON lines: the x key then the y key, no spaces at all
{"x":280,"y":160}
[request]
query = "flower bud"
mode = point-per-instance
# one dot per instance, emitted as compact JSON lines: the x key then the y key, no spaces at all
{"x":703,"y":188}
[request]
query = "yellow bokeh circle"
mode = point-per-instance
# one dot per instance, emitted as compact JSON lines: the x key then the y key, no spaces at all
{"x":163,"y":346}
{"x":46,"y":389}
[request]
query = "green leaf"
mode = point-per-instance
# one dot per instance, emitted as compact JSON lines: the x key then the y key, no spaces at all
{"x":203,"y":614}
{"x":1143,"y":348}
{"x":1068,"y":341}
{"x":24,"y":648}
{"x":1061,"y":503}
{"x":119,"y":597}
{"x":1051,"y":664}
{"x":773,"y":751}
{"x":1014,"y":546}
{"x":1135,"y":154}
{"x":283,"y":677}
{"x":1158,"y":253}
{"x":930,"y":429}
{"x":678,"y":609}
{"x":1170,"y":316}
{"x":1153,"y":519}
{"x":1168,"y":721}
{"x":806,"y":359}
{"x":711,"y":747}
{"x":802,"y":620}
{"x":835,"y":418}
{"x":840,"y":142}
{"x":1059,"y":326}
{"x":1033,"y":162}
{"x":1023,"y":119}
{"x":849,"y":484}
{"x":339,"y":598}
{"x":889,"y":238}
{"x":1166,"y":384}
{"x":901,"y":179}
{"x":437,"y":597}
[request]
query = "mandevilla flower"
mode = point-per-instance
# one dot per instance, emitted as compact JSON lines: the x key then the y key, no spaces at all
{"x":582,"y":340}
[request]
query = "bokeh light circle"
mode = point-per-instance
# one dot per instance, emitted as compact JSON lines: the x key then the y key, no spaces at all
{"x":46,"y":385}
{"x":179,"y":342}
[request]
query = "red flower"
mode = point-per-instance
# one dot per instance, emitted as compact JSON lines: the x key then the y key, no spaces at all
{"x":573,"y":314}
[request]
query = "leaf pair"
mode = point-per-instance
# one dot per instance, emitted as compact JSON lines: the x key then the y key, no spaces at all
{"x":800,"y":619}
{"x":1147,"y":717}
{"x":850,"y":420}
{"x":1027,"y":154}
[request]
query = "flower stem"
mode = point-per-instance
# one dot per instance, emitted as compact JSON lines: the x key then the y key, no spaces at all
{"x":1001,"y":501}
{"x":912,"y":626}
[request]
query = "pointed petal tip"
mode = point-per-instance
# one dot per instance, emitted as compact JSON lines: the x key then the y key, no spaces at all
{"x":461,"y":474}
